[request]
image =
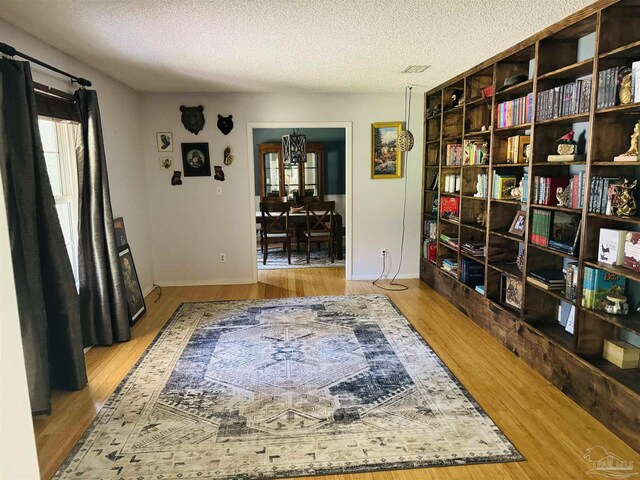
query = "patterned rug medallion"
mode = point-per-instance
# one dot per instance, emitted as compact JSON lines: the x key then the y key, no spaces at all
{"x":285,"y":387}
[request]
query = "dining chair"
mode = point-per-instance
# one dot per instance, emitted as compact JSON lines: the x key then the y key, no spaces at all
{"x":275,"y":227}
{"x":320,"y":225}
{"x":269,"y":200}
{"x":298,"y":229}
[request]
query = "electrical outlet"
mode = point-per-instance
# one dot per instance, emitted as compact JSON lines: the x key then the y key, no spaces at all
{"x":223,"y":257}
{"x":218,"y":190}
{"x":383,"y":253}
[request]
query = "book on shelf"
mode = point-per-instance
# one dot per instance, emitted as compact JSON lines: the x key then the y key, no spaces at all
{"x":453,"y":154}
{"x":565,"y":232}
{"x":480,"y":289}
{"x":450,"y":266}
{"x":471,"y":273}
{"x":517,"y":146}
{"x":566,"y":158}
{"x":632,"y":251}
{"x":576,"y":190}
{"x":597,"y":284}
{"x":482,"y":185}
{"x":541,"y":224}
{"x":620,"y":353}
{"x":567,"y":317}
{"x":635,"y":81}
{"x":547,"y":279}
{"x":451,"y":241}
{"x":511,"y":292}
{"x":449,"y":207}
{"x":515,"y":112}
{"x":605,"y":192}
{"x":608,"y":85}
{"x":525,"y":187}
{"x":476,"y":248}
{"x":569,"y":99}
{"x":476,"y":152}
{"x":545,"y":189}
{"x":502,"y":186}
{"x":611,"y":246}
{"x":432,"y":251}
{"x":451,"y":183}
{"x":434,"y":182}
{"x":571,"y":280}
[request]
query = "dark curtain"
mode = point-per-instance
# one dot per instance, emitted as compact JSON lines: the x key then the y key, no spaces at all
{"x":103,"y":304}
{"x":47,"y":298}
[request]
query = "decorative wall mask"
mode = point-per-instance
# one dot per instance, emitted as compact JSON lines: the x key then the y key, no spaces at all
{"x":218,"y":174}
{"x":228,"y":158}
{"x":176,"y":180}
{"x":192,"y":118}
{"x":225,"y":124}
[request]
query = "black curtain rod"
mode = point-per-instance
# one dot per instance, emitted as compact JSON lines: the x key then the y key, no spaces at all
{"x":12,"y":52}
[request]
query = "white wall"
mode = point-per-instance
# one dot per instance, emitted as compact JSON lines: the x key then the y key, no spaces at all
{"x":17,"y":444}
{"x":120,"y":111}
{"x":190,"y":225}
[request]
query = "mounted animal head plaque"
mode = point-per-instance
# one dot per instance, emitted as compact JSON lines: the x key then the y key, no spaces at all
{"x":225,"y":124}
{"x":192,"y":118}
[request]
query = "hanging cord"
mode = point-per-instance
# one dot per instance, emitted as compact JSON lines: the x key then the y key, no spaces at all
{"x":402,"y":287}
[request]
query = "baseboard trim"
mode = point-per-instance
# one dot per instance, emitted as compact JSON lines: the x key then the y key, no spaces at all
{"x":198,"y":283}
{"x":403,"y":276}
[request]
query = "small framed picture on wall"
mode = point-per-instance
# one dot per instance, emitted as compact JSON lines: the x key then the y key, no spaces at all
{"x":386,"y":158}
{"x":164,"y":141}
{"x":121,"y":233}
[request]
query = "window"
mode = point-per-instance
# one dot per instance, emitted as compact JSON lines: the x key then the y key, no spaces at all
{"x":58,"y":143}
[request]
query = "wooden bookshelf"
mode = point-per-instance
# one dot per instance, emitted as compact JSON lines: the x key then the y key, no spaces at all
{"x":573,"y":362}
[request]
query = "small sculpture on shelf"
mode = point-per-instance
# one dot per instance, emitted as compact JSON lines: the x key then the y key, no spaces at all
{"x":626,"y":200}
{"x":565,"y":144}
{"x":520,"y":260}
{"x":562,"y":194}
{"x":632,"y":154}
{"x":516,"y":192}
{"x":482,"y":218}
{"x":457,"y":98}
{"x":479,"y":189}
{"x":624,"y":90}
{"x":616,"y":304}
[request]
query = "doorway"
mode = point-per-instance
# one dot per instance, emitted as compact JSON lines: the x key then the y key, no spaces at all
{"x":328,"y":175}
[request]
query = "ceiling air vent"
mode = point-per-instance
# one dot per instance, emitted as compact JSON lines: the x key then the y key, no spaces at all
{"x":415,"y":69}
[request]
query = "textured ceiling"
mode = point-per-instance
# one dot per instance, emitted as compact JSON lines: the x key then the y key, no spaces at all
{"x":282,"y":45}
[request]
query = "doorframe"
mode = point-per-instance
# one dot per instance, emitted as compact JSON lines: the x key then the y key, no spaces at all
{"x":348,"y":146}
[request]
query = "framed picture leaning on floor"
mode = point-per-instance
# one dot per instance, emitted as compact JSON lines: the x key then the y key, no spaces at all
{"x":133,"y":292}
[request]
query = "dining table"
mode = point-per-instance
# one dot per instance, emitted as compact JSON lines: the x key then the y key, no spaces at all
{"x":299,"y":219}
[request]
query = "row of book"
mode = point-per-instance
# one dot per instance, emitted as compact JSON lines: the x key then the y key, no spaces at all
{"x":429,"y":249}
{"x":433,"y":186}
{"x":547,"y":279}
{"x":525,"y":187}
{"x":556,"y":230}
{"x":430,"y":229}
{"x":476,"y":152}
{"x":502,"y":185}
{"x":450,"y":266}
{"x":545,"y":188}
{"x":569,"y":99}
{"x":475,"y":248}
{"x":453,"y":155}
{"x":608,"y":87}
{"x":597,"y":284}
{"x":576,"y":189}
{"x":619,"y":248}
{"x":515,"y":112}
{"x":482,"y":186}
{"x":471,"y":273}
{"x":448,"y":240}
{"x":604,"y":194}
{"x":518,"y":148}
{"x":451,"y":183}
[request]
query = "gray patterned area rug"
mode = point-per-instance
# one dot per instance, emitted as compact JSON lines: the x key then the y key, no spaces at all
{"x":278,"y":260}
{"x":285,"y":387}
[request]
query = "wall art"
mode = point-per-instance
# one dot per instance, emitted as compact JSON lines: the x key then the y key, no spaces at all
{"x":228,"y":158}
{"x":132,"y":290}
{"x":176,"y":179}
{"x":225,"y":124}
{"x":195,"y":160}
{"x":218,"y":173}
{"x":192,"y":118}
{"x":166,"y":163}
{"x":386,"y":159}
{"x":121,"y":233}
{"x":164,"y":140}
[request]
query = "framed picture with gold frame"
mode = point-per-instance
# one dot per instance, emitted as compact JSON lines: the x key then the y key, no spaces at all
{"x":386,"y":158}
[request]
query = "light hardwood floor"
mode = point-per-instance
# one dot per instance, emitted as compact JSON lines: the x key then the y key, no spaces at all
{"x":548,"y":428}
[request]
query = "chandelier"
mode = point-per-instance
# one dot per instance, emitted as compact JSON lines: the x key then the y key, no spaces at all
{"x":294,"y":147}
